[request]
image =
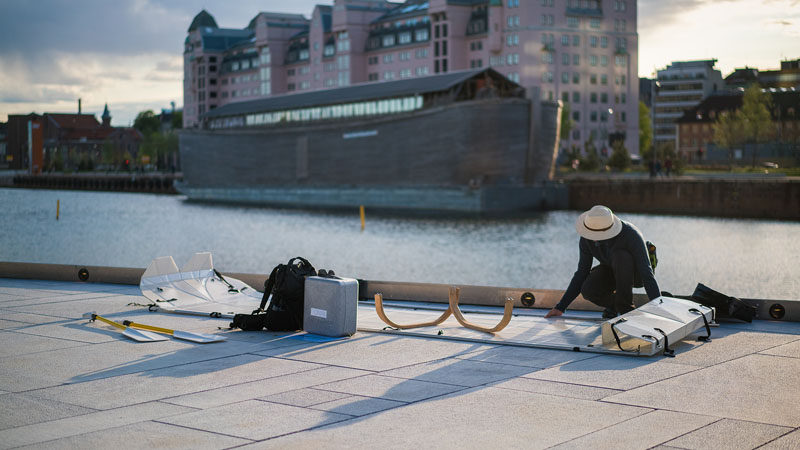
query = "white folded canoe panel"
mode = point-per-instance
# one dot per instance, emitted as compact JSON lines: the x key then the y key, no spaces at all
{"x":196,"y":287}
{"x":652,"y":327}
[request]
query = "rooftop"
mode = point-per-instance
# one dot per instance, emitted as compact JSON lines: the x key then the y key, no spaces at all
{"x":65,"y":382}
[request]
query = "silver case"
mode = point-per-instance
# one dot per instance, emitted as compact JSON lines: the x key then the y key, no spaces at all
{"x":330,"y":306}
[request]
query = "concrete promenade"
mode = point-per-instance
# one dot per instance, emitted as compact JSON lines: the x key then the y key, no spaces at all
{"x":68,"y":383}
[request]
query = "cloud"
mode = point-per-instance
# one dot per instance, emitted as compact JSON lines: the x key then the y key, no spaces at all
{"x":654,"y":14}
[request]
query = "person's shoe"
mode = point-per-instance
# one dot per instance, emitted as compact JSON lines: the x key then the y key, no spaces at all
{"x":609,"y":313}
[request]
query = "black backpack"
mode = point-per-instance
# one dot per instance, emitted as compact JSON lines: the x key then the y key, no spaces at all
{"x":286,"y":283}
{"x":726,"y":306}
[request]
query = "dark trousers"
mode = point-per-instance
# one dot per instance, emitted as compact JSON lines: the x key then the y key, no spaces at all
{"x":611,"y":286}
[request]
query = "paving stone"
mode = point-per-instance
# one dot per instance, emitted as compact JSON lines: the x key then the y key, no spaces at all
{"x":21,"y":409}
{"x":264,"y":388}
{"x":145,"y":435}
{"x":357,"y":406}
{"x":460,"y":372}
{"x":791,"y":350}
{"x":379,"y":352}
{"x":789,"y":441}
{"x":16,"y":343}
{"x":766,"y":326}
{"x":94,"y":361}
{"x":158,"y":384}
{"x":555,"y":388}
{"x":642,"y":431}
{"x":87,"y":423}
{"x":528,"y":357}
{"x":390,"y":388}
{"x":475,"y":418}
{"x":74,"y":307}
{"x":256,"y":419}
{"x":729,"y":433}
{"x":614,"y":372}
{"x":757,"y":388}
{"x":68,"y":331}
{"x":726,"y":345}
{"x":305,"y":397}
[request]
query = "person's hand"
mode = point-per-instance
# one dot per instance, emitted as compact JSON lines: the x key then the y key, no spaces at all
{"x":553,"y":313}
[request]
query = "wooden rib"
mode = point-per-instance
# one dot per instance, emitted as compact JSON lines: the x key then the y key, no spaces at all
{"x":382,"y":315}
{"x":509,"y":308}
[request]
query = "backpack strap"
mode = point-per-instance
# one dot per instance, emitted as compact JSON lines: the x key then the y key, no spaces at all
{"x":268,"y":286}
{"x":304,"y":263}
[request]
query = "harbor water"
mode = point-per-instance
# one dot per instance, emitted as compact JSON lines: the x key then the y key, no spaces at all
{"x":745,"y":258}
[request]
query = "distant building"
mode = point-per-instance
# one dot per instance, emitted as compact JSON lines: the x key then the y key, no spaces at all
{"x":582,"y":52}
{"x":3,"y":144}
{"x":646,"y":86}
{"x":696,"y":130}
{"x":680,"y":86}
{"x":787,"y":78}
{"x":68,"y":141}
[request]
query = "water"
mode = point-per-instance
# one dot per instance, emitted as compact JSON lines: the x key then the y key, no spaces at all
{"x":746,"y":258}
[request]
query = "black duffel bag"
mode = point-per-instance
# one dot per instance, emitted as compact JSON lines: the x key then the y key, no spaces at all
{"x":727,"y":307}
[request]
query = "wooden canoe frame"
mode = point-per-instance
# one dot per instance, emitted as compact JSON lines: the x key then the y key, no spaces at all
{"x":451,"y":309}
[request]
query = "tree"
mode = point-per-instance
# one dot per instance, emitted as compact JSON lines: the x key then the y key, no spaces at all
{"x":147,"y":122}
{"x":729,"y":132}
{"x":756,"y":118}
{"x":591,"y":162}
{"x":177,"y":120}
{"x":645,"y":132}
{"x":620,"y":159}
{"x":566,"y":123}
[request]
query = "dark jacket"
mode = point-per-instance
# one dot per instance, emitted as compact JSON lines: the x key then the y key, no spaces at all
{"x":629,"y":239}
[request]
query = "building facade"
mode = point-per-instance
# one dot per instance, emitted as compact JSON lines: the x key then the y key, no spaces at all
{"x":582,"y":52}
{"x":787,"y":78}
{"x":696,"y":141}
{"x":680,"y":86}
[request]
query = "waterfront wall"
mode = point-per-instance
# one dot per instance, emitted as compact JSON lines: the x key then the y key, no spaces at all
{"x":126,"y":182}
{"x":743,"y":198}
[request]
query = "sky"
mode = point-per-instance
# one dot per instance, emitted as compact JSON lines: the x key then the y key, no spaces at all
{"x":128,"y":53}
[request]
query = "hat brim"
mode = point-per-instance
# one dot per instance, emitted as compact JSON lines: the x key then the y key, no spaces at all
{"x":580,"y":226}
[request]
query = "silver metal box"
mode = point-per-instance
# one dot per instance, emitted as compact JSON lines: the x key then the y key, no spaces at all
{"x":330,"y":306}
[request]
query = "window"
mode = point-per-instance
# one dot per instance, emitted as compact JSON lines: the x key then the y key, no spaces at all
{"x":388,"y":40}
{"x":593,"y":79}
{"x":576,"y":40}
{"x":593,"y":97}
{"x":422,"y":70}
{"x":547,"y":58}
{"x":444,"y":48}
{"x":576,"y":116}
{"x":603,"y":60}
{"x":343,"y":41}
{"x":289,"y":87}
{"x":328,"y":50}
{"x":289,"y":73}
{"x":623,"y":116}
{"x":565,"y":39}
{"x":594,"y":23}
{"x":404,"y":56}
{"x":603,"y":41}
{"x":573,"y":22}
{"x":444,"y":65}
{"x":547,"y":19}
{"x":603,"y":97}
{"x":436,"y":66}
{"x":512,"y":59}
{"x":576,"y":59}
{"x":604,"y":79}
{"x":592,"y":60}
{"x":620,"y":60}
{"x":593,"y":41}
{"x":405,"y":73}
{"x":624,"y":98}
{"x":436,"y":48}
{"x":576,"y":97}
{"x":512,"y":40}
{"x":343,"y":62}
{"x":593,"y":116}
{"x":305,"y":85}
{"x":514,"y":76}
{"x":576,"y":78}
{"x":404,"y":37}
{"x":421,"y":53}
{"x":421,"y":35}
{"x":547,"y":77}
{"x":387,"y":58}
{"x":565,"y":78}
{"x":444,"y":29}
{"x":565,"y":59}
{"x":302,"y":56}
{"x":565,"y":96}
{"x":344,"y":78}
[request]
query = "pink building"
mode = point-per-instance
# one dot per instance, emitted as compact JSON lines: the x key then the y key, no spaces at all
{"x":582,"y":52}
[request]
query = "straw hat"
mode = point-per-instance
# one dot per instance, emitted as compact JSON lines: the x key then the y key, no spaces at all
{"x":598,"y":224}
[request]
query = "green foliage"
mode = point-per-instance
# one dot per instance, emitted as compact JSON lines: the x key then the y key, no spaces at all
{"x":159,"y":147}
{"x":620,"y":159}
{"x":177,"y":120}
{"x":645,"y":133}
{"x":147,"y":122}
{"x":755,"y":116}
{"x":566,"y":122}
{"x":109,"y":152}
{"x":591,"y":161}
{"x":571,"y":155}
